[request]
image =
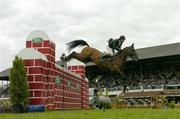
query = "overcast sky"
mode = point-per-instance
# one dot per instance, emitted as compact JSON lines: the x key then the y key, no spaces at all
{"x":143,"y":22}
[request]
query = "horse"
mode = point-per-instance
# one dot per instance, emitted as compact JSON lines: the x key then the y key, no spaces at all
{"x":89,"y":54}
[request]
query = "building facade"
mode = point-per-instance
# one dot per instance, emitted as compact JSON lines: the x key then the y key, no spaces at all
{"x":50,"y":84}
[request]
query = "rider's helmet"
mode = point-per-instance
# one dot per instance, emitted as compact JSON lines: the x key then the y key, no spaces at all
{"x":122,"y":37}
{"x":111,"y":39}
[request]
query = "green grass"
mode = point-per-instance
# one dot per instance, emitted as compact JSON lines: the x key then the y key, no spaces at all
{"x":99,"y":114}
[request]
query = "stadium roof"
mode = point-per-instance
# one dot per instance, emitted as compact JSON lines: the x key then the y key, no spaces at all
{"x":159,"y":51}
{"x":5,"y":72}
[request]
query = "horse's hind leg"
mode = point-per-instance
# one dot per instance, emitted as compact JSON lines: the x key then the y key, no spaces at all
{"x":75,"y":55}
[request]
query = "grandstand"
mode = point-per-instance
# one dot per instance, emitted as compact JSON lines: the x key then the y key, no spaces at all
{"x":156,"y":73}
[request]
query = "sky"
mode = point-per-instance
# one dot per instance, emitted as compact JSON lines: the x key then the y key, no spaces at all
{"x":143,"y":22}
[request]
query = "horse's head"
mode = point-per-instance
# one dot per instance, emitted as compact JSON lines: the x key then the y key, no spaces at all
{"x":130,"y":51}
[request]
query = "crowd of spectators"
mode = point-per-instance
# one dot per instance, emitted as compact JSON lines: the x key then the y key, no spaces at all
{"x":153,"y":78}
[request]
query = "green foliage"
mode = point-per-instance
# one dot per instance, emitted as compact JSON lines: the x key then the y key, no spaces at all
{"x":18,"y":88}
{"x":100,"y":93}
{"x":108,"y":105}
{"x":107,"y":94}
{"x":171,"y":105}
{"x":6,"y":105}
{"x":117,"y":101}
{"x":177,"y":73}
{"x":162,"y":102}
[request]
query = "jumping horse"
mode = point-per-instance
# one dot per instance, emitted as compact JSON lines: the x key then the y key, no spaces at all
{"x":89,"y":54}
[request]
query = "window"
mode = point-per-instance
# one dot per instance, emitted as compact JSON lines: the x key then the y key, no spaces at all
{"x":37,"y":40}
{"x":57,"y":80}
{"x":78,"y":86}
{"x":69,"y":83}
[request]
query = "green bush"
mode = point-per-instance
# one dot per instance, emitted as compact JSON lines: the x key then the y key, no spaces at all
{"x":117,"y":101}
{"x":171,"y":104}
{"x":161,"y":102}
{"x":6,"y":105}
{"x":18,"y":88}
{"x":108,"y":105}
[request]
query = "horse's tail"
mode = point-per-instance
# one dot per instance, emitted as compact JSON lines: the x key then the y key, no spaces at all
{"x":76,"y":43}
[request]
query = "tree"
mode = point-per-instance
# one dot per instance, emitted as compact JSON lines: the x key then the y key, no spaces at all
{"x":18,"y":88}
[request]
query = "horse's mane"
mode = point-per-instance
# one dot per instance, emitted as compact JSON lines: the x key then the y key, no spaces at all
{"x":76,"y":43}
{"x":124,"y":49}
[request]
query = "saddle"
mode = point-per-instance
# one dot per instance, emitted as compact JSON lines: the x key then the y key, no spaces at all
{"x":105,"y":57}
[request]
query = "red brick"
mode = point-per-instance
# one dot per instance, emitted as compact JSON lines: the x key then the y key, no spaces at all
{"x":81,"y":67}
{"x":44,"y":94}
{"x":55,"y":73}
{"x":38,"y":78}
{"x":46,"y":43}
{"x":83,"y":76}
{"x":36,"y":86}
{"x":51,"y":45}
{"x":38,"y":62}
{"x":80,"y":72}
{"x":53,"y":53}
{"x":30,"y":93}
{"x":35,"y":70}
{"x":38,"y":93}
{"x":46,"y":71}
{"x":29,"y":62}
{"x":30,"y":78}
{"x":44,"y":64}
{"x":53,"y":60}
{"x":43,"y":71}
{"x":36,"y":101}
{"x":48,"y":64}
{"x":46,"y":86}
{"x":46,"y":101}
{"x":69,"y":67}
{"x":50,"y":58}
{"x":74,"y":67}
{"x":28,"y":44}
{"x":44,"y":50}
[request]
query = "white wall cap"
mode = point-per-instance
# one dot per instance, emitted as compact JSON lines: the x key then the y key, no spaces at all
{"x":72,"y":73}
{"x":31,"y":53}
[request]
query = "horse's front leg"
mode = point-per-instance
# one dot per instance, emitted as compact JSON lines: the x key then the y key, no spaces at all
{"x":75,"y":55}
{"x":69,"y":57}
{"x":125,"y":80}
{"x":113,"y":51}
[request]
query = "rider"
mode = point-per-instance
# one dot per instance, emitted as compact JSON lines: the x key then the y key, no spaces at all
{"x":114,"y":45}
